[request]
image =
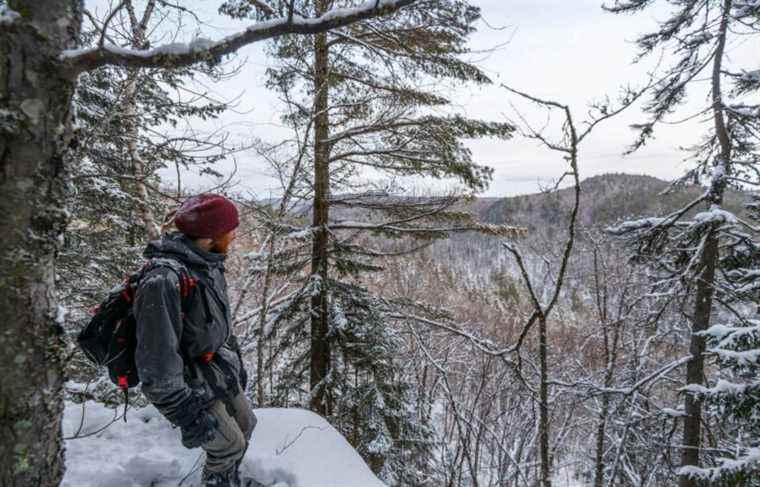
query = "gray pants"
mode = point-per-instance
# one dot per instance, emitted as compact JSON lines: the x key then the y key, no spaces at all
{"x":236,"y":424}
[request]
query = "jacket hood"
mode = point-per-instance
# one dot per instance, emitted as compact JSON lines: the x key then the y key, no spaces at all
{"x":176,"y":245}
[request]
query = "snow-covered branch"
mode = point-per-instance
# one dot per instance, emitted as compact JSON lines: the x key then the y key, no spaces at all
{"x":183,"y":54}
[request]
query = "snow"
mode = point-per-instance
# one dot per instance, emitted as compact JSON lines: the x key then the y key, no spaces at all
{"x":745,"y":110}
{"x":8,"y":16}
{"x":741,"y":357}
{"x":633,"y":225}
{"x":749,"y":459}
{"x":566,"y":475}
{"x":674,"y":413}
{"x":690,"y":471}
{"x":715,"y":215}
{"x":60,"y":314}
{"x":721,"y":387}
{"x":205,"y":44}
{"x":718,"y":331}
{"x":198,"y":44}
{"x":289,"y":448}
{"x":337,"y":13}
{"x":719,"y":171}
{"x":174,"y":48}
{"x":730,"y":336}
{"x":302,"y":234}
{"x":746,"y":7}
{"x":750,"y":456}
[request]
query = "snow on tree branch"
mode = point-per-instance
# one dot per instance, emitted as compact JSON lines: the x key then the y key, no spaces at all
{"x":183,"y":54}
{"x":8,"y":16}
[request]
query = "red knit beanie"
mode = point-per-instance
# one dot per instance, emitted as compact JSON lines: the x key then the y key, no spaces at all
{"x":206,"y":216}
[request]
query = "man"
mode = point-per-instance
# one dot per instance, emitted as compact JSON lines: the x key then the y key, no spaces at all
{"x":187,"y":357}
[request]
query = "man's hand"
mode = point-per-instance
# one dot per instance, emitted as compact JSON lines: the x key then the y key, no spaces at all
{"x":198,"y":426}
{"x":200,"y":431}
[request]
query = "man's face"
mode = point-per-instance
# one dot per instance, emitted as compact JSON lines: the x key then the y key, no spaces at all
{"x":222,"y":243}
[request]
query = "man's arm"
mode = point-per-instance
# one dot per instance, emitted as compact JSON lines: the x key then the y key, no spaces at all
{"x":157,"y":311}
{"x":159,"y":362}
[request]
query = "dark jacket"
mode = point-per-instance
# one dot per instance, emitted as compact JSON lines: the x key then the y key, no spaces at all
{"x":173,"y":344}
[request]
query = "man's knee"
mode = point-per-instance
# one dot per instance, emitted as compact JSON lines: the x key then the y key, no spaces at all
{"x":243,"y":414}
{"x":229,"y":442}
{"x":248,"y":422}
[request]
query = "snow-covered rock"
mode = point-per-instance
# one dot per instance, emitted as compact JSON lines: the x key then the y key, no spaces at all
{"x":289,"y":448}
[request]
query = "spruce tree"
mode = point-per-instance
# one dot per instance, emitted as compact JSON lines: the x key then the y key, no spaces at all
{"x":126,"y":122}
{"x":368,"y":98}
{"x":687,"y":253}
{"x":734,"y":398}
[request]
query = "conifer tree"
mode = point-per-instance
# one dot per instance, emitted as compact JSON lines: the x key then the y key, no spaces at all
{"x":687,"y":253}
{"x":363,"y":99}
{"x":734,"y":398}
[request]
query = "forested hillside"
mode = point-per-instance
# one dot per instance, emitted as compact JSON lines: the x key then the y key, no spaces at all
{"x":606,"y":200}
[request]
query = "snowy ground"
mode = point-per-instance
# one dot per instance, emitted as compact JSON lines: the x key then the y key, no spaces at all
{"x":566,"y":478}
{"x":289,"y":448}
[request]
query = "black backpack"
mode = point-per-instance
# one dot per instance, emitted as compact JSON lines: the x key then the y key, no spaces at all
{"x":110,"y":337}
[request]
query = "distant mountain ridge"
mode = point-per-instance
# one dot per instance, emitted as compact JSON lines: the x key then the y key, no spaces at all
{"x":605,"y":200}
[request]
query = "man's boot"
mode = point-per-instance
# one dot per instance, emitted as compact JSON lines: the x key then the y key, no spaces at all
{"x":220,"y":479}
{"x":244,"y":481}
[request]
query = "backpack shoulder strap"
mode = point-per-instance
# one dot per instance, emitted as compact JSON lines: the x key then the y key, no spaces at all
{"x":186,"y":281}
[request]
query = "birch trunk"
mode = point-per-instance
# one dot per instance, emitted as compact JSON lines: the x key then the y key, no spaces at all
{"x":138,"y":190}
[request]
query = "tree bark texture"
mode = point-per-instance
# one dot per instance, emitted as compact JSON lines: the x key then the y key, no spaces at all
{"x":692,"y":424}
{"x":138,"y":189}
{"x":543,"y":405}
{"x":35,"y":100}
{"x":320,"y":348}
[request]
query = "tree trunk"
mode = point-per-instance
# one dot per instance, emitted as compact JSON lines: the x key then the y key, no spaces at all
{"x":692,"y":424}
{"x":610,"y":359}
{"x":262,"y":340}
{"x":320,"y":348}
{"x":543,"y":425}
{"x":35,"y":99}
{"x":138,"y":189}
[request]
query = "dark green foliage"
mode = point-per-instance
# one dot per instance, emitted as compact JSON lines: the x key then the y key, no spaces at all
{"x":387,"y":79}
{"x":688,"y":254}
{"x":372,"y":398}
{"x":734,"y":399}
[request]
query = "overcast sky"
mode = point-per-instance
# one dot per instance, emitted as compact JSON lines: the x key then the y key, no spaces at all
{"x":567,"y":50}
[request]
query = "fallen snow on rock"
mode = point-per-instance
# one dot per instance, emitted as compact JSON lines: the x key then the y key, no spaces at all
{"x":289,"y":448}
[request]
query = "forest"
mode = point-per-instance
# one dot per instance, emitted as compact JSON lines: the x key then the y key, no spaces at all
{"x":404,"y":317}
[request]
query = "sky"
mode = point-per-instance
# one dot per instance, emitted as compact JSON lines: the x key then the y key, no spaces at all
{"x":568,"y":50}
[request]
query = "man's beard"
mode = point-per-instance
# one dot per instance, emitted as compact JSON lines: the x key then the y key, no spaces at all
{"x":220,"y":248}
